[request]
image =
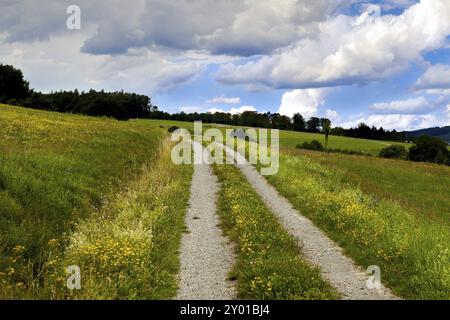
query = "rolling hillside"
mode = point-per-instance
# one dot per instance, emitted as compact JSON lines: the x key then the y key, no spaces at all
{"x":104,"y":194}
{"x":58,"y":172}
{"x":290,"y":139}
{"x":443,"y":133}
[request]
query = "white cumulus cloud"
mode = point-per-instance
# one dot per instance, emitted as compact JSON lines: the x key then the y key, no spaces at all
{"x":435,"y":80}
{"x":333,"y":116}
{"x":349,"y":50}
{"x":303,"y":101}
{"x":410,"y":106}
{"x":224,"y":100}
{"x":233,"y":110}
{"x":402,"y":122}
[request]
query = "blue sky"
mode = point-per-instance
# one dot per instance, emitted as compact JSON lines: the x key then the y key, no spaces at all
{"x":386,"y":63}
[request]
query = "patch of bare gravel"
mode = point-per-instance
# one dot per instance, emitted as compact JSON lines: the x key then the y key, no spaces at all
{"x":341,"y":272}
{"x":206,"y":255}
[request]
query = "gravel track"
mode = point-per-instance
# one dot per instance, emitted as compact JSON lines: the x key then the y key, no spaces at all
{"x":341,"y":272}
{"x":206,"y":255}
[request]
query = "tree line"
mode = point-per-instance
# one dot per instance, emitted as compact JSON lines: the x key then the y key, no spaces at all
{"x":282,"y":122}
{"x":15,"y":90}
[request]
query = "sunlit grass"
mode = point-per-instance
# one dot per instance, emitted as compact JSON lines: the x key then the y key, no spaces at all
{"x":421,"y":188}
{"x":411,"y":249}
{"x":55,"y":170}
{"x":269,"y":263}
{"x":290,"y":139}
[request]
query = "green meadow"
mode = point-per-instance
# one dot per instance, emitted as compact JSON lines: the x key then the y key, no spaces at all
{"x":103,"y":194}
{"x":389,"y":213}
{"x":57,"y":170}
{"x":290,"y":139}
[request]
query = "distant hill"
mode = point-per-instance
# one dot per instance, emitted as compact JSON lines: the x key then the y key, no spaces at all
{"x":443,"y":133}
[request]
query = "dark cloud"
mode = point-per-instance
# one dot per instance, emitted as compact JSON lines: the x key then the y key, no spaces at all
{"x":232,"y":27}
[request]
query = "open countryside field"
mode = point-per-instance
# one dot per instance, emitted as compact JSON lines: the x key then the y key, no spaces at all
{"x":373,"y":147}
{"x":422,"y":188}
{"x":290,"y":139}
{"x":58,"y":170}
{"x":105,"y":195}
{"x":374,"y":218}
{"x":224,"y":159}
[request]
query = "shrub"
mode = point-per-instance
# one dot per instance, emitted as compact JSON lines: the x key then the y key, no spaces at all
{"x":313,"y":145}
{"x":351,"y":152}
{"x":394,"y":152}
{"x":430,"y":149}
{"x":317,"y":146}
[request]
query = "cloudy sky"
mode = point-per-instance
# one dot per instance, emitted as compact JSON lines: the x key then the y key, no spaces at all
{"x":386,"y":63}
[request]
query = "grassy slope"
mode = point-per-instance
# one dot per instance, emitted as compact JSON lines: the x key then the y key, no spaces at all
{"x":54,"y":170}
{"x":134,"y":242}
{"x":411,"y":249}
{"x":269,"y":264}
{"x":373,"y":147}
{"x":290,"y":139}
{"x":422,"y":188}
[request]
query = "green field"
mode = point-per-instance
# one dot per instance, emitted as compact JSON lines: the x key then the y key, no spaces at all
{"x":380,"y":212}
{"x":373,"y":147}
{"x":290,"y":139}
{"x":422,"y":188}
{"x":57,"y":170}
{"x":103,"y":194}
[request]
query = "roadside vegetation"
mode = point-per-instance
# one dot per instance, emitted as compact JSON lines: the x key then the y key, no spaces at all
{"x":426,"y":149}
{"x":410,"y":246}
{"x":129,"y":250}
{"x":420,"y":188}
{"x":269,"y":264}
{"x":57,"y":170}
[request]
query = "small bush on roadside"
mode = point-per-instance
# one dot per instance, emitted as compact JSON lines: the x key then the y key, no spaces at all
{"x":394,"y":152}
{"x":313,"y":145}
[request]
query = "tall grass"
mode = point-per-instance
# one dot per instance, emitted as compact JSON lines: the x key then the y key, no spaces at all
{"x":411,"y":250}
{"x":130,"y":249}
{"x":421,"y":188}
{"x":55,"y":170}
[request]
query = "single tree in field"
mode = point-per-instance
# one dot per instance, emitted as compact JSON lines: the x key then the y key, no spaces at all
{"x":326,"y":126}
{"x":299,"y":122}
{"x":313,"y":125}
{"x":12,"y":84}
